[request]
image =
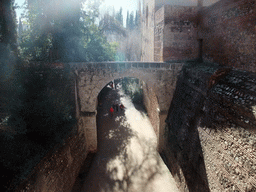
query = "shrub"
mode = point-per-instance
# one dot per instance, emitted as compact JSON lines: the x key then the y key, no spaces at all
{"x":132,"y":88}
{"x":41,"y":108}
{"x":40,"y":117}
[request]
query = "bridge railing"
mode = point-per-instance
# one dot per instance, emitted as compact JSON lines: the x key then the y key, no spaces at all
{"x":123,"y":65}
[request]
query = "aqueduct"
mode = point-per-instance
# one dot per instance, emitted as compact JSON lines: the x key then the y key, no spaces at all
{"x":92,"y":77}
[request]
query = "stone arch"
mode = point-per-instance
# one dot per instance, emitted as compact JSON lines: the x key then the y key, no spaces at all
{"x":92,"y":77}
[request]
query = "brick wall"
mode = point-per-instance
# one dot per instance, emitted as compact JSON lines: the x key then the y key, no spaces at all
{"x":229,"y":34}
{"x":175,"y":37}
{"x":148,"y":19}
{"x":58,"y":170}
{"x":211,"y":135}
{"x":151,"y":104}
{"x":180,"y":37}
{"x":159,"y":35}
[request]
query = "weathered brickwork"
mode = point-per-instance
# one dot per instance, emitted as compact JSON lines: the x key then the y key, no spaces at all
{"x":175,"y":36}
{"x":223,"y":32}
{"x":158,"y":35}
{"x":151,"y":104}
{"x":148,"y":31}
{"x":180,"y":36}
{"x":211,"y":136}
{"x":58,"y":170}
{"x":229,"y":34}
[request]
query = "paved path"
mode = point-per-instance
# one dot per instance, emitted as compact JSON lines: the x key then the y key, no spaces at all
{"x":127,"y":159}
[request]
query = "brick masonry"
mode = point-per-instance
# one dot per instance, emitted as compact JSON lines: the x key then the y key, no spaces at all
{"x":225,"y":28}
{"x":58,"y":170}
{"x":229,"y":33}
{"x":211,"y":128}
{"x":148,"y":31}
{"x":151,"y":104}
{"x":179,"y":37}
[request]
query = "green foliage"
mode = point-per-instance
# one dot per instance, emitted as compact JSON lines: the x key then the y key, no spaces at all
{"x":66,"y":33}
{"x":41,"y":107}
{"x":96,"y":46}
{"x":131,"y":21}
{"x":8,"y":33}
{"x":132,"y":88}
{"x":137,"y":20}
{"x":119,"y":16}
{"x":128,"y":20}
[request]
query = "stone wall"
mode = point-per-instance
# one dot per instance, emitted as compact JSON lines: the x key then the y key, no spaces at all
{"x":211,"y":121}
{"x":175,"y":36}
{"x":229,"y":34}
{"x":92,"y":77}
{"x":179,"y":35}
{"x":225,"y":28}
{"x":151,"y":104}
{"x":159,"y":35}
{"x":58,"y":170}
{"x":147,"y":26}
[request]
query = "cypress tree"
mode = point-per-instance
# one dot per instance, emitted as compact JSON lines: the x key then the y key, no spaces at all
{"x":137,"y":20}
{"x":131,"y":21}
{"x":128,"y":20}
{"x":119,"y":16}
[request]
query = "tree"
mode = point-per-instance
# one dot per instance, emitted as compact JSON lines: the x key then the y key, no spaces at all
{"x":8,"y":49}
{"x":62,"y":31}
{"x":119,"y":16}
{"x":137,"y":20}
{"x":111,"y":24}
{"x":131,"y":21}
{"x":8,"y":34}
{"x":127,"y":20}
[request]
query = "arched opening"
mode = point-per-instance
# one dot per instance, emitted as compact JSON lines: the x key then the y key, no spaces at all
{"x":132,"y":92}
{"x":127,"y":142}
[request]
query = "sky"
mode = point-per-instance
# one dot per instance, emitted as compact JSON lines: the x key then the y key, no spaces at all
{"x":130,"y":5}
{"x":19,"y":11}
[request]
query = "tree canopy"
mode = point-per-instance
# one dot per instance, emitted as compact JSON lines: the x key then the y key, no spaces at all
{"x":64,"y":31}
{"x":132,"y":22}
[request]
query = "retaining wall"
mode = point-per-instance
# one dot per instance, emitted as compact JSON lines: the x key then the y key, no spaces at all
{"x":211,"y":130}
{"x":58,"y":170}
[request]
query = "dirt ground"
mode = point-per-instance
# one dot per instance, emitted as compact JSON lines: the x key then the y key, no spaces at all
{"x":127,"y":159}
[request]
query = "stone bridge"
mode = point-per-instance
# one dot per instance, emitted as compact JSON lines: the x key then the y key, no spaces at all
{"x":91,"y":78}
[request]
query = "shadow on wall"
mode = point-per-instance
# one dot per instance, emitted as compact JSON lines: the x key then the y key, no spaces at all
{"x":211,"y":125}
{"x":184,"y":153}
